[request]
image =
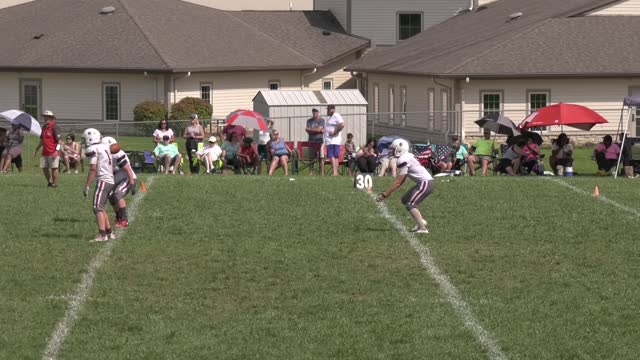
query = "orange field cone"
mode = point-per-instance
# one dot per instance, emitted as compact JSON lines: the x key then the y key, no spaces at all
{"x":369,"y":190}
{"x":596,"y":191}
{"x":143,"y":187}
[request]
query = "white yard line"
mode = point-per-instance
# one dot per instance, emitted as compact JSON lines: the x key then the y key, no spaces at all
{"x":604,"y":199}
{"x":462,"y":309}
{"x":78,"y":298}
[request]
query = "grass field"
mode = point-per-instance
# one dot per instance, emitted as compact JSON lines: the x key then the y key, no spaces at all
{"x":246,"y":267}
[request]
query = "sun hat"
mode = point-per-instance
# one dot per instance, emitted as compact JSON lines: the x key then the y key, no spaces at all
{"x":48,"y":113}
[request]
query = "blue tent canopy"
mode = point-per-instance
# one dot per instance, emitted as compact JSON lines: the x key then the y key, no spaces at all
{"x":632,"y":101}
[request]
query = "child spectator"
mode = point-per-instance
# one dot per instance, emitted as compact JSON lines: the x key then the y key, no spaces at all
{"x":71,"y":154}
{"x":350,"y":149}
{"x":230,"y":151}
{"x":532,"y":156}
{"x":210,"y":153}
{"x":248,"y":155}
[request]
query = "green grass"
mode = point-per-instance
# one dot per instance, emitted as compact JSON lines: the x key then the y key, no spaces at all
{"x":244,"y":267}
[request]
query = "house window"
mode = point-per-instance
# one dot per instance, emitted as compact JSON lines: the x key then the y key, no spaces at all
{"x":376,"y":100}
{"x":444,"y":102}
{"x":111,"y":101}
{"x":491,"y":102}
{"x":535,"y":101}
{"x":274,"y":85}
{"x":327,"y":84}
{"x":205,"y":92}
{"x":430,"y":105}
{"x":392,"y":103}
{"x":409,"y":24}
{"x":403,"y":104}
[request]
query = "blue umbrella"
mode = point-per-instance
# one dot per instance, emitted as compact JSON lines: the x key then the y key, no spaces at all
{"x":23,"y":119}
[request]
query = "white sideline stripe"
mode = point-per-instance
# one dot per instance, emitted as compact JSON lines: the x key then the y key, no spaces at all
{"x":604,"y":199}
{"x":77,"y":299}
{"x":462,"y":309}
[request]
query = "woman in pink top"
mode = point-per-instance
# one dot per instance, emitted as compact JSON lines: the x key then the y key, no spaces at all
{"x":606,"y":154}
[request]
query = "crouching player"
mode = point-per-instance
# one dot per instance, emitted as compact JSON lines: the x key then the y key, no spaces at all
{"x":101,"y":170}
{"x":409,"y":166}
{"x":124,"y":180}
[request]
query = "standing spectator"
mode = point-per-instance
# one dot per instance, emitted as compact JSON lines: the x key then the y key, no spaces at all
{"x":230,"y":129}
{"x":333,"y":138}
{"x":367,"y":157}
{"x":168,"y":154}
{"x":483,"y":152}
{"x":279,"y":153}
{"x":162,"y":130}
{"x":71,"y":154}
{"x":315,"y":129}
{"x":263,"y":139}
{"x":193,"y":135}
{"x":211,"y":153}
{"x":50,"y":142}
{"x":13,"y":147}
{"x":230,"y":151}
{"x":350,"y":150}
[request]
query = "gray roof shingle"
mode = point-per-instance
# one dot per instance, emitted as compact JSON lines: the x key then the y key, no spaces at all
{"x":165,"y":35}
{"x":488,"y":43}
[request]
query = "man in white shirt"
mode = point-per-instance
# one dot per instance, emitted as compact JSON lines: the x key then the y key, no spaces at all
{"x":408,"y":166}
{"x":332,"y":137}
{"x":101,"y":170}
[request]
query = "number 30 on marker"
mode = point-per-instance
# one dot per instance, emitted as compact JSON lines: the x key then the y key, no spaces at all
{"x":363,"y":181}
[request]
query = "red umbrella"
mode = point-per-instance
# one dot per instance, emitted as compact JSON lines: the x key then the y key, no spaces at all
{"x":247,"y":118}
{"x":573,"y":115}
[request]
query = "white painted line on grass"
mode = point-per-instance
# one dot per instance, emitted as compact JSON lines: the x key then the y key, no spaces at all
{"x":78,"y":298}
{"x":462,"y":309}
{"x":602,"y":198}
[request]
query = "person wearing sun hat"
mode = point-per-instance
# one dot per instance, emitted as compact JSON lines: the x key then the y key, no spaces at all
{"x":211,"y":153}
{"x":51,"y":144}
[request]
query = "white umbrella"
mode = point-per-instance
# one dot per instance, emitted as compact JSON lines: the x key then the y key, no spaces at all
{"x":23,"y":119}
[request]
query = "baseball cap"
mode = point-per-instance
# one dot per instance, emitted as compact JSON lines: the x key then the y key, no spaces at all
{"x":48,"y":113}
{"x":194,"y":116}
{"x":212,"y":139}
{"x":314,"y":110}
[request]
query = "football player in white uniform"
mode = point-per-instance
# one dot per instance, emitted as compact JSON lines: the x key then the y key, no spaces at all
{"x":125,"y":182}
{"x":408,"y":166}
{"x":101,"y":170}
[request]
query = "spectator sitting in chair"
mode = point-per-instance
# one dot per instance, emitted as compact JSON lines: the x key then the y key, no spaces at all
{"x":388,"y":161}
{"x":561,"y":153}
{"x":13,"y":147}
{"x":461,"y":152}
{"x":627,"y":160}
{"x":168,"y":154}
{"x":230,"y":151}
{"x":532,"y":157}
{"x":482,"y":152}
{"x":210,"y":153}
{"x":279,"y":153}
{"x":71,"y":154}
{"x":512,"y":158}
{"x":606,"y":155}
{"x":367,"y":157}
{"x":248,"y":156}
{"x":3,"y":140}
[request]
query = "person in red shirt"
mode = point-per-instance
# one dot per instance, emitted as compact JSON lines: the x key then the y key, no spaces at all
{"x":248,"y":156}
{"x":50,"y":142}
{"x":230,"y":129}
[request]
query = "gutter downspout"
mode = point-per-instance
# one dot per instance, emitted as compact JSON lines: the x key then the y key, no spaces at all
{"x":175,"y":90}
{"x":303,"y":75}
{"x":451,"y":91}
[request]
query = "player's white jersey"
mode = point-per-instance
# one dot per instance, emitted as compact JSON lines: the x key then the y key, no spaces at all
{"x":120,"y":160}
{"x":409,"y":165}
{"x":100,"y":155}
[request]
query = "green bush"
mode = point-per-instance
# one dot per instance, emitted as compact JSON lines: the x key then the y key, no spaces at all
{"x":149,"y":113}
{"x":183,"y":109}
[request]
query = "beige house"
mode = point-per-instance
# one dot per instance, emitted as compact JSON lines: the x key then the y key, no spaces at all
{"x":510,"y":56}
{"x":90,"y":63}
{"x":224,"y":4}
{"x":390,"y":22}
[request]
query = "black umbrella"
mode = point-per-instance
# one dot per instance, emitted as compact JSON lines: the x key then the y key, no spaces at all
{"x":537,"y":139}
{"x":498,"y":124}
{"x":22,"y":119}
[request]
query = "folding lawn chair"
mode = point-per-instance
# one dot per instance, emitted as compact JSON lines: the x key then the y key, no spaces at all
{"x":149,"y":161}
{"x":308,"y":155}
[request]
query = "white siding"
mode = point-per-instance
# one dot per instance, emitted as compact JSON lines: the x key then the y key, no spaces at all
{"x":602,"y":95}
{"x":334,"y":71}
{"x":254,"y":4}
{"x":484,"y":2}
{"x":79,"y":96}
{"x":377,"y":19}
{"x":337,"y":7}
{"x":234,"y":90}
{"x":629,"y":7}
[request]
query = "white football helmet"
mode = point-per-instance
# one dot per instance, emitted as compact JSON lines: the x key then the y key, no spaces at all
{"x":91,"y":136}
{"x":399,"y":147}
{"x":108,"y":140}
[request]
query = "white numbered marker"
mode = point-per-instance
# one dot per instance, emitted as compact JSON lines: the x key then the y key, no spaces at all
{"x":363,"y":181}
